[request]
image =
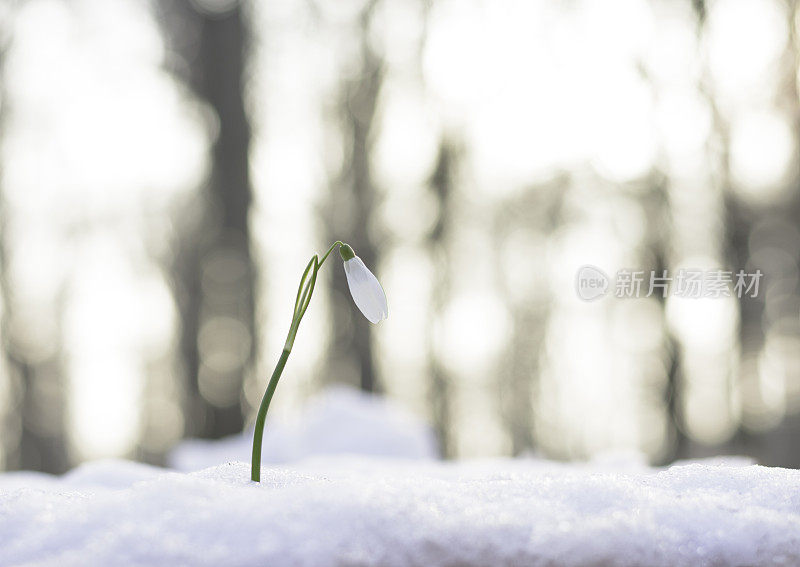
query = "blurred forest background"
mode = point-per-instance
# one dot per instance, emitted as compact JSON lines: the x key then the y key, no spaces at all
{"x":167,"y":169}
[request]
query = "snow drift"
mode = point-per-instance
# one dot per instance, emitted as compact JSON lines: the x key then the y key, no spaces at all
{"x":348,"y":511}
{"x":339,"y":420}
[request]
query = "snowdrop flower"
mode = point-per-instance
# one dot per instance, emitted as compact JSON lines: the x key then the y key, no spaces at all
{"x":369,"y":297}
{"x":364,"y":287}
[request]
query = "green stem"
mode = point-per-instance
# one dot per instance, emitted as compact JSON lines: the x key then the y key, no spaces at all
{"x":261,"y":419}
{"x":328,"y":253}
{"x":302,"y":300}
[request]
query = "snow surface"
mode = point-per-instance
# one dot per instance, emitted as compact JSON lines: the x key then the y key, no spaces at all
{"x":340,"y":420}
{"x":349,"y":511}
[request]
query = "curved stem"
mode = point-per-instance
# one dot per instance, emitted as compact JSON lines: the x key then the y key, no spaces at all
{"x":304,"y":292}
{"x":328,"y":253}
{"x":261,"y":418}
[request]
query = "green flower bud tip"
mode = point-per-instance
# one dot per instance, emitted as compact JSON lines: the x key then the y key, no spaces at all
{"x":346,"y":252}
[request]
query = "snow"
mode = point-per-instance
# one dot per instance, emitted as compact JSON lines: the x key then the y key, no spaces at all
{"x":340,"y":420}
{"x":356,"y":510}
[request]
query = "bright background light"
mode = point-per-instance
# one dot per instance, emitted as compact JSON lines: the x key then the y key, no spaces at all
{"x":623,"y":134}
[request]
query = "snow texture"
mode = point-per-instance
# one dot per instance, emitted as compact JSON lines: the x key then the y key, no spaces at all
{"x":338,"y":421}
{"x":350,"y":511}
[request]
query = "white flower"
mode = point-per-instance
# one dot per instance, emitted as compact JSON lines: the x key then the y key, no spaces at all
{"x":365,"y":289}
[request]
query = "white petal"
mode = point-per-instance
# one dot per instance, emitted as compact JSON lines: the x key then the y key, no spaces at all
{"x":366,"y":290}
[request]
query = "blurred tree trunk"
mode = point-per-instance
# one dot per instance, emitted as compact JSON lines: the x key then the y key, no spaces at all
{"x":772,"y":446}
{"x":11,"y":419}
{"x":40,"y":413}
{"x":776,"y":446}
{"x":214,"y":276}
{"x":352,"y":207}
{"x":717,"y":175}
{"x":659,"y":234}
{"x":679,"y":441}
{"x":537,"y":213}
{"x":439,"y":392}
{"x":34,"y":433}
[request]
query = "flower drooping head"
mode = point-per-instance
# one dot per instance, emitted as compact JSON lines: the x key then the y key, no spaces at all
{"x":364,"y":287}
